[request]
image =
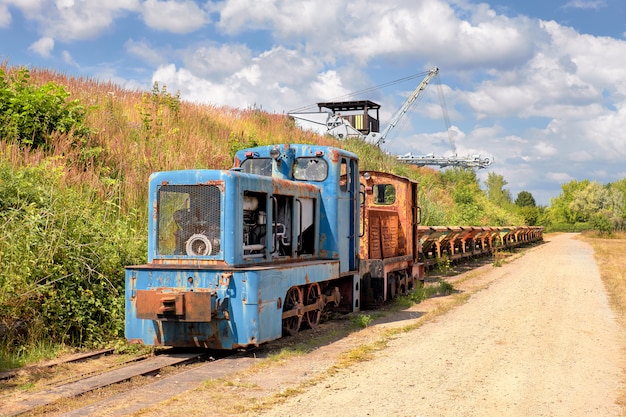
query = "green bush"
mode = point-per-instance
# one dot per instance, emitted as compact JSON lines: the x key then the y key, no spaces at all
{"x":62,"y":260}
{"x":30,"y":114}
{"x":567,"y":227}
{"x":601,"y":223}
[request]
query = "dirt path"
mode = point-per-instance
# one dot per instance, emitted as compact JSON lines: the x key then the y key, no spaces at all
{"x":539,"y":340}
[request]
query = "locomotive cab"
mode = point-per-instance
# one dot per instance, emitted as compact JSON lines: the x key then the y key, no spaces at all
{"x":390,"y":246}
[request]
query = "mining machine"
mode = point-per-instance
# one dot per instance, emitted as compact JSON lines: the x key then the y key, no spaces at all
{"x":360,"y":119}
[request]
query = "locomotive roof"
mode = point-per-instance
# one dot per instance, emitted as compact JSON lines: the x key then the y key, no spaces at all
{"x":400,"y":178}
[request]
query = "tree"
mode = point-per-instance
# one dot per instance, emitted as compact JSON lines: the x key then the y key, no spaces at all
{"x":618,"y":190}
{"x":464,"y":189}
{"x":589,"y":202}
{"x":560,"y":210}
{"x":525,"y":199}
{"x":496,"y":193}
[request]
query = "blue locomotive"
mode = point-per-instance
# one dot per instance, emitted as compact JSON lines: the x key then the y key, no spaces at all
{"x":240,"y":257}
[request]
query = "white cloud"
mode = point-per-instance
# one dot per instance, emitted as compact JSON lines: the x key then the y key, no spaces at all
{"x":68,"y":59}
{"x":43,"y":46}
{"x":580,"y":156}
{"x":544,"y":149}
{"x":585,"y":4}
{"x":5,"y":16}
{"x":328,"y":84}
{"x":76,"y":20}
{"x":368,"y":29}
{"x":198,"y":89}
{"x":516,"y":139}
{"x":278,"y":79}
{"x":559,"y":177}
{"x":599,"y":60}
{"x":600,"y":173}
{"x":145,"y":52}
{"x":173,"y":16}
{"x":607,"y":132}
{"x":214,"y":61}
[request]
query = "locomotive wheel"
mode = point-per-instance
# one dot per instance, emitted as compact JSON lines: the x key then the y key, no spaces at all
{"x":313,"y":293}
{"x":293,"y":303}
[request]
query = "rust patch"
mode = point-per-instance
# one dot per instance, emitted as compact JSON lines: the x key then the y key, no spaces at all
{"x":217,"y":183}
{"x":177,"y":306}
{"x":224,"y":279}
{"x":189,"y":262}
{"x":281,"y":185}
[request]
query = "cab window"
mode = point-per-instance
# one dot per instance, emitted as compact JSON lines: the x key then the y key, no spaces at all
{"x":310,"y":169}
{"x":258,"y":166}
{"x":384,"y":194}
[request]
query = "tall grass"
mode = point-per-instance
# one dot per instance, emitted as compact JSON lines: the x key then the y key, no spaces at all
{"x":137,"y":133}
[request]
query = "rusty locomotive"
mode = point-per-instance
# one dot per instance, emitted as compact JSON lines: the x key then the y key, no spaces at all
{"x":243,"y":256}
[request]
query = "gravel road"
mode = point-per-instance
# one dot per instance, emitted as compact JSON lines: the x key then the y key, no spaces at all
{"x":539,"y":339}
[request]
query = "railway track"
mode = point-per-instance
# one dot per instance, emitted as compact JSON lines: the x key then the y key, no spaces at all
{"x":79,"y":357}
{"x":64,"y":387}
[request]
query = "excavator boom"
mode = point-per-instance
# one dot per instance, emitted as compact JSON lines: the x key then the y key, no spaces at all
{"x":379,"y":138}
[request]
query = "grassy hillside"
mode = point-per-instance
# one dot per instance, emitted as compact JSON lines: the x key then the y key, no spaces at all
{"x":73,"y":212}
{"x":136,"y":133}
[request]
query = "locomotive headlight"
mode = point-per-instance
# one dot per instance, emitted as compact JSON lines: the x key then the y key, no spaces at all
{"x":275,"y":153}
{"x":367,"y":176}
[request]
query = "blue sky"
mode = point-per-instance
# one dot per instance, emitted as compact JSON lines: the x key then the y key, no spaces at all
{"x":539,"y":86}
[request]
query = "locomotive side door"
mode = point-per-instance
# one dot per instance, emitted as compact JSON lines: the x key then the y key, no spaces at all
{"x":348,"y":206}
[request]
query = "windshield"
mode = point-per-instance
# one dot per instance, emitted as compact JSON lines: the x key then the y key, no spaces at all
{"x":310,"y":169}
{"x":257,"y":166}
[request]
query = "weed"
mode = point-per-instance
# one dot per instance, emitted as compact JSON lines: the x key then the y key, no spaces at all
{"x":499,"y":256}
{"x":361,"y":320}
{"x":403,"y":301}
{"x":420,"y":294}
{"x":444,"y":264}
{"x":14,"y":357}
{"x":287,"y":353}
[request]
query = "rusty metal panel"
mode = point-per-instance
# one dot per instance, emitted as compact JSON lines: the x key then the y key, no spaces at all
{"x":375,"y":250}
{"x":389,"y":234}
{"x":180,"y":306}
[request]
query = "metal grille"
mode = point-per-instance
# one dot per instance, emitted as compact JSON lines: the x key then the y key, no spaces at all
{"x":189,"y":220}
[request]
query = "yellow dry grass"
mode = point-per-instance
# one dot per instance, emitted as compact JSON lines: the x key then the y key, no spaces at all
{"x":610,"y":256}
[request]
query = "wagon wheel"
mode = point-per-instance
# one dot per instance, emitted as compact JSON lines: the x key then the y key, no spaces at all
{"x":293,"y":309}
{"x":391,"y":287}
{"x":312,"y":317}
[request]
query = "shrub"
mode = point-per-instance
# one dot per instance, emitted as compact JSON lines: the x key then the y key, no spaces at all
{"x":61,"y":260}
{"x":601,"y":223}
{"x":30,"y":114}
